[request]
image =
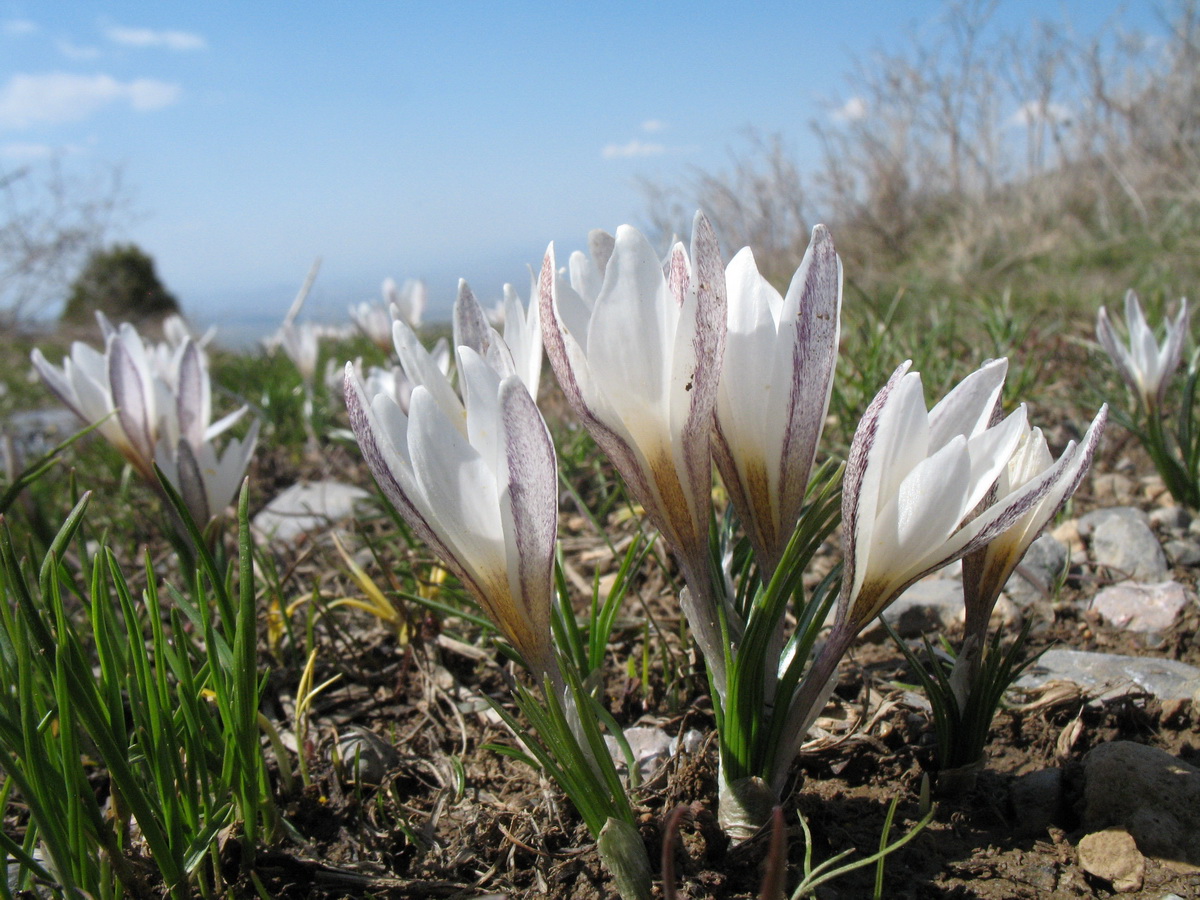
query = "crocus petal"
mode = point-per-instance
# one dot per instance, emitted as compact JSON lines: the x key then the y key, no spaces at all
{"x":384,"y":445}
{"x":860,"y":483}
{"x":423,"y":370}
{"x":571,"y":368}
{"x":57,"y":382}
{"x":529,"y":510}
{"x":191,"y":484}
{"x":967,"y":409}
{"x":457,"y":492}
{"x":699,"y":348}
{"x":1115,"y":349}
{"x":471,"y":328}
{"x":817,"y":289}
{"x":987,"y":570}
{"x":523,"y":336}
{"x":193,"y":399}
{"x":587,"y":272}
{"x":375,"y":322}
{"x":133,"y":403}
{"x":223,"y":424}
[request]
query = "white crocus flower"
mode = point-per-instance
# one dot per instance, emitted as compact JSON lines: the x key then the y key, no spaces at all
{"x":1146,"y":366}
{"x":638,"y":359}
{"x":391,"y":381}
{"x":987,"y":569}
{"x":523,"y":335}
{"x":913,"y":480}
{"x":88,"y":381}
{"x":522,"y":332}
{"x":477,"y":481}
{"x":440,"y":354}
{"x":587,"y":270}
{"x":407,"y":303}
{"x":153,"y":416}
{"x":375,"y":322}
{"x":300,"y":341}
{"x":776,"y":380}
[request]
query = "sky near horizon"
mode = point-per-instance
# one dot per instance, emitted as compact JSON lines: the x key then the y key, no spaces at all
{"x":420,"y":140}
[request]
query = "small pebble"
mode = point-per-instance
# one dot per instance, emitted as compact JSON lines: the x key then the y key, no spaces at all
{"x":1113,"y":855}
{"x":1182,"y":553}
{"x":1170,"y":517}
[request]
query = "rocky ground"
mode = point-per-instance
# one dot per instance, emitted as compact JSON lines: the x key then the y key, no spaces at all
{"x":1091,"y":787}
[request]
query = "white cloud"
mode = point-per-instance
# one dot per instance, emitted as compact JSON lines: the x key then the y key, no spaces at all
{"x":148,"y":37}
{"x":851,"y":111}
{"x":61,"y":97}
{"x":633,"y":148}
{"x":76,"y":52}
{"x":653,"y":126}
{"x":29,"y":152}
{"x":18,"y":27}
{"x":1034,"y":113}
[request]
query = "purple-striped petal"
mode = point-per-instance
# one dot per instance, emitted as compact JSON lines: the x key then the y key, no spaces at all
{"x":134,"y":407}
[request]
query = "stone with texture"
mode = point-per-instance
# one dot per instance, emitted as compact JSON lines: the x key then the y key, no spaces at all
{"x":1171,"y":518}
{"x":1182,"y":552}
{"x":1113,"y":487}
{"x":651,"y":747}
{"x":1150,"y":794}
{"x":365,"y":756}
{"x":1113,"y":856}
{"x":1144,"y":608}
{"x":1112,"y":675}
{"x":1122,"y":542}
{"x":305,"y":507}
{"x":1038,"y":573}
{"x":36,"y":432}
{"x":930,"y":605}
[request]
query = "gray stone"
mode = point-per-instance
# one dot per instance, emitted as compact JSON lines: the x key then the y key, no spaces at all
{"x":930,"y":605}
{"x":35,"y":432}
{"x":1170,"y":518}
{"x":1111,"y":675}
{"x":687,"y":743}
{"x":1182,"y":552}
{"x":1088,"y":522}
{"x":1039,"y":572}
{"x":1144,"y":608}
{"x":1037,"y":800}
{"x":306,"y":507}
{"x":651,"y":748}
{"x":1113,"y":487}
{"x":1122,"y":542}
{"x":1043,"y":877}
{"x":1150,"y":794}
{"x":366,"y":758}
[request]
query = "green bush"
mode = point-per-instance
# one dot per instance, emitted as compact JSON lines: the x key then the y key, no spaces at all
{"x":120,"y":282}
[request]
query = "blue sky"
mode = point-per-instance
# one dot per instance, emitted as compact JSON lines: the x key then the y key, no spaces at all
{"x":432,"y":140}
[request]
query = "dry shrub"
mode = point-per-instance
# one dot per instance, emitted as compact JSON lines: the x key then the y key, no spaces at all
{"x":980,"y":160}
